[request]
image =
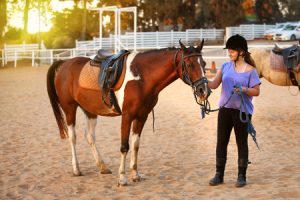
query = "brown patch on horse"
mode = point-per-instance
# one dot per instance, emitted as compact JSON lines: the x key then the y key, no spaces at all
{"x":89,"y":75}
{"x":277,"y":64}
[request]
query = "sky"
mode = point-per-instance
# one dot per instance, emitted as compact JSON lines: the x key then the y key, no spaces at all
{"x":45,"y":21}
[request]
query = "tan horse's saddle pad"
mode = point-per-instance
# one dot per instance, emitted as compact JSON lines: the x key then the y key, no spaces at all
{"x":89,"y":75}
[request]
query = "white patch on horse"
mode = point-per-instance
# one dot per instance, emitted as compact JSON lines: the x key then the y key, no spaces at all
{"x":72,"y":140}
{"x":128,"y":77}
{"x":203,"y":74}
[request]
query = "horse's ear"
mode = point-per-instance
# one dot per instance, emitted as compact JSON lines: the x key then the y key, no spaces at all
{"x":277,"y":46}
{"x":200,"y":46}
{"x":182,"y":46}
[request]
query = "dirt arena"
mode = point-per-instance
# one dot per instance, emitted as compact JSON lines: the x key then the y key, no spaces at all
{"x":177,"y":160}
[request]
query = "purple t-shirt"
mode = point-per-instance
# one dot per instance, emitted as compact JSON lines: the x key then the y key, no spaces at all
{"x":230,"y":78}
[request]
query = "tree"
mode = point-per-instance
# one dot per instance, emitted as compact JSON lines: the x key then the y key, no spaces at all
{"x":25,"y":19}
{"x":290,"y":9}
{"x":227,"y":12}
{"x":268,"y":11}
{"x":3,"y":19}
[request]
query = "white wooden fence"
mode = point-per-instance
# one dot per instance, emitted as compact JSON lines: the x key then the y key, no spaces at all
{"x":249,"y":31}
{"x":144,"y":40}
{"x":153,"y":40}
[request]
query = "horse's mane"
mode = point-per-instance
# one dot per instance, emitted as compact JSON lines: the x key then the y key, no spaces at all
{"x":159,"y":50}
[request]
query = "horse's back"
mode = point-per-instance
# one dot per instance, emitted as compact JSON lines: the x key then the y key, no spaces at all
{"x":262,"y":58}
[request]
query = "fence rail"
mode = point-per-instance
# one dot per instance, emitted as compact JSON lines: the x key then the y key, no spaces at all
{"x":48,"y":56}
{"x":143,"y":41}
{"x":153,"y":40}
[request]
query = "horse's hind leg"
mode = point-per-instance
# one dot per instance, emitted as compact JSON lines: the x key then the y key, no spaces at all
{"x":137,"y":128}
{"x":70,"y":112}
{"x":90,"y":137}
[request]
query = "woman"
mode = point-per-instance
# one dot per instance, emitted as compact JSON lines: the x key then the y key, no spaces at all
{"x":237,"y":76}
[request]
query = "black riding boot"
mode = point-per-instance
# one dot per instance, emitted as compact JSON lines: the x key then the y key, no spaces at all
{"x":241,"y":180}
{"x":220,"y":168}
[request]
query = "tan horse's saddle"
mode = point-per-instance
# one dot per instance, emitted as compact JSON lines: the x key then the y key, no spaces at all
{"x":111,"y":66}
{"x":291,"y":59}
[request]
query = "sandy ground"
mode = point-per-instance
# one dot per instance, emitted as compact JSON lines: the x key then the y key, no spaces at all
{"x":177,"y":160}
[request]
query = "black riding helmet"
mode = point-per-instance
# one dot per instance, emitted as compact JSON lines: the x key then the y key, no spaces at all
{"x":237,"y":42}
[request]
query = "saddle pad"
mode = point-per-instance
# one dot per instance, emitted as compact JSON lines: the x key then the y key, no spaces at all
{"x":89,"y":77}
{"x":277,"y":63}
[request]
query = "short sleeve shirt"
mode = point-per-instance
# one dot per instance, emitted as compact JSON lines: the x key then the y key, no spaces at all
{"x":231,"y":78}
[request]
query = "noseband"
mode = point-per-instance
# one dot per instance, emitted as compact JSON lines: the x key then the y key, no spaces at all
{"x":185,"y":75}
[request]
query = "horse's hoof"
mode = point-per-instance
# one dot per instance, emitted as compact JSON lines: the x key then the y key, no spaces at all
{"x":105,"y":171}
{"x":122,"y":182}
{"x":77,"y":173}
{"x":137,"y":177}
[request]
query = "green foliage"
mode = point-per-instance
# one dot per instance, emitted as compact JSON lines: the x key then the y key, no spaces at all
{"x":68,"y":26}
{"x":153,"y":15}
{"x":63,"y":42}
{"x":13,"y":34}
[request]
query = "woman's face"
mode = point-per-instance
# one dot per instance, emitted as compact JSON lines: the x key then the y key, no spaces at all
{"x":233,"y":54}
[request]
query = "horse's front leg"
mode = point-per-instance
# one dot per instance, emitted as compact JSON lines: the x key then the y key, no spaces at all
{"x":137,"y":128}
{"x":125,"y":130}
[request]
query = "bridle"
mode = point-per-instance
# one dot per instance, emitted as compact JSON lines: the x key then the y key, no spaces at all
{"x":186,"y":77}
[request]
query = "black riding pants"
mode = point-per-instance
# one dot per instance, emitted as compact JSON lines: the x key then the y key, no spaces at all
{"x":228,"y":118}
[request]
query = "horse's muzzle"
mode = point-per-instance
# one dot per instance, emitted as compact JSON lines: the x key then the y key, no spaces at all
{"x":201,"y":89}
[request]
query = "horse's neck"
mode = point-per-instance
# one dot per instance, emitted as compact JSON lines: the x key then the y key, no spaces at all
{"x":262,"y":61}
{"x":163,"y":72}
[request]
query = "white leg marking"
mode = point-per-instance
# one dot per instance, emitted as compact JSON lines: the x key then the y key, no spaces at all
{"x":122,"y":176}
{"x":135,"y":144}
{"x":90,"y":137}
{"x":128,"y":77}
{"x":72,"y":140}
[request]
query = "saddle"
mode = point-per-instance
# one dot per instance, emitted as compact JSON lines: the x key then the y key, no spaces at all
{"x":111,"y":66}
{"x":291,"y":59}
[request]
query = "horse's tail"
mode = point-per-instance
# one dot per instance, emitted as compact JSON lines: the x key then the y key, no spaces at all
{"x":54,"y":99}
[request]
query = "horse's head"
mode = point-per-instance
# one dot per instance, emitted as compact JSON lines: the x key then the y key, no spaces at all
{"x":192,"y":70}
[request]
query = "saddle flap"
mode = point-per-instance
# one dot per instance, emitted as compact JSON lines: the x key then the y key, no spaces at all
{"x":111,"y":69}
{"x":291,"y":55}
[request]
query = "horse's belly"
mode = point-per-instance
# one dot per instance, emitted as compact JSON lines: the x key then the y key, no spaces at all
{"x":280,"y":78}
{"x":91,"y":101}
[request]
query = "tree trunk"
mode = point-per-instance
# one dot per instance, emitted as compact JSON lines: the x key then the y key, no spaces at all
{"x":3,"y":19}
{"x":83,"y":32}
{"x":25,"y":19}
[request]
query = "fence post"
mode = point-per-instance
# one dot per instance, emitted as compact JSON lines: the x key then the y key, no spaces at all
{"x":201,"y":33}
{"x":215,"y":34}
{"x":157,"y":40}
{"x":2,"y":53}
{"x":186,"y":36}
{"x":32,"y":61}
{"x":253,"y":35}
{"x":142,"y":39}
{"x":15,"y":61}
{"x":228,"y":33}
{"x":51,"y":56}
{"x":172,"y":38}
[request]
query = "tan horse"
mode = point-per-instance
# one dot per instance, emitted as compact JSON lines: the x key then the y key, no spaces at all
{"x":263,"y":65}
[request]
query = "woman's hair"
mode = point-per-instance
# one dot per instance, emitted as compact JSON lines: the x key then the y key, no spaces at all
{"x":248,"y":59}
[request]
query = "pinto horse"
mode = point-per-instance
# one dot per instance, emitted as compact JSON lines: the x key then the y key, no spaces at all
{"x":147,"y":74}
